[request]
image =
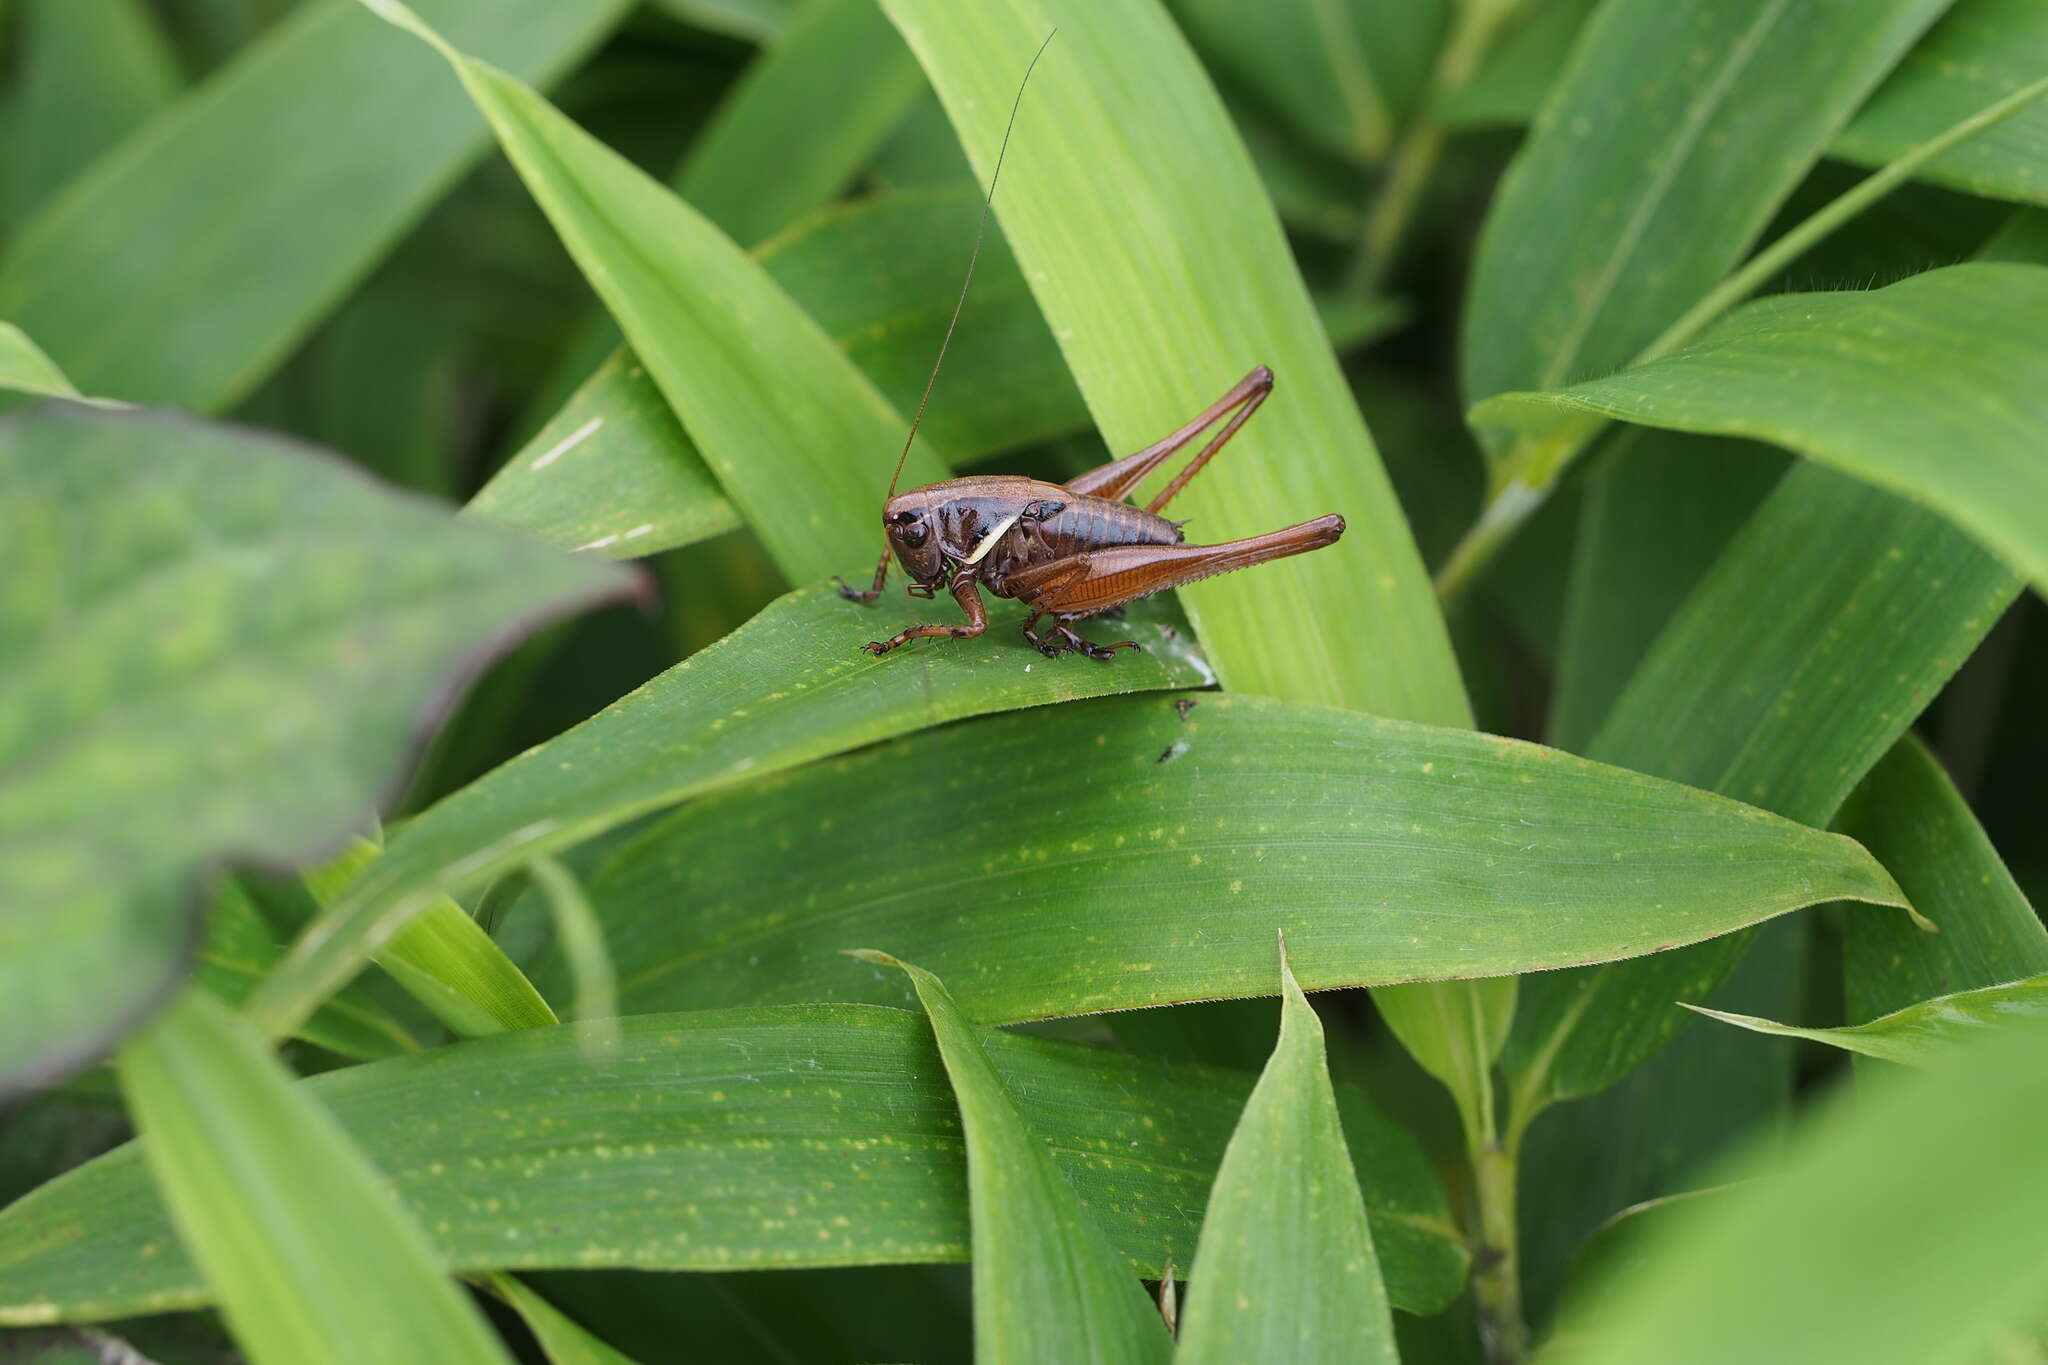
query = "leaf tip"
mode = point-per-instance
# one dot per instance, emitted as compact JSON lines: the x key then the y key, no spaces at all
{"x":871,"y":955}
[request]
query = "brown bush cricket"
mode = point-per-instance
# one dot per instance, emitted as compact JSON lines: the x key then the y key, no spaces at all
{"x":1065,"y":550}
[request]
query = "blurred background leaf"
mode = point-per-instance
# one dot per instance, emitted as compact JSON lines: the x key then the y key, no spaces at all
{"x":292,"y":1227}
{"x":141,"y":287}
{"x":1922,"y":1032}
{"x":225,"y":648}
{"x":91,"y":70}
{"x":1900,"y":1227}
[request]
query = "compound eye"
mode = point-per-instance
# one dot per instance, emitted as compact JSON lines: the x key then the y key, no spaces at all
{"x":913,"y":534}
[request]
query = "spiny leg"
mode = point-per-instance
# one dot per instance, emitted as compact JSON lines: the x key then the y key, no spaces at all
{"x":1065,"y":639}
{"x":1120,"y":477}
{"x":868,"y":594}
{"x":1256,"y":386}
{"x":1100,"y":653}
{"x":967,"y":596}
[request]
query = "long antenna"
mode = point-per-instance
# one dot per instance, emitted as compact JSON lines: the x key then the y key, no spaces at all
{"x":980,"y":230}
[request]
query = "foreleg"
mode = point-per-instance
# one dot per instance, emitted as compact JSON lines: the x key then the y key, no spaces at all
{"x":871,"y":592}
{"x":968,"y":595}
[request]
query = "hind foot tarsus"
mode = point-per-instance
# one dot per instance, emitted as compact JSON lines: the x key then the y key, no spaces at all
{"x":1064,"y":639}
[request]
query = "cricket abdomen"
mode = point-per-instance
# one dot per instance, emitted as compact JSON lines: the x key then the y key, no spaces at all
{"x":1081,"y":525}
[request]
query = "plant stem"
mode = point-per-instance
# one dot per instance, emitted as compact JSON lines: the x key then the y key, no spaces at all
{"x":1531,"y":467}
{"x":1415,"y":155}
{"x":1497,"y":1277}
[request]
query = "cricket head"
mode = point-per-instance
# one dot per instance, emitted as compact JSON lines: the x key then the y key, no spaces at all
{"x":912,"y":525}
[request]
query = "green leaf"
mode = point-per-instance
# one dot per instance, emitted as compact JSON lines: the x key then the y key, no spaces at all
{"x":882,"y":276}
{"x":1139,"y":221}
{"x":1644,"y":182}
{"x":1455,"y":1038}
{"x":797,"y":436}
{"x":241,"y":949}
{"x":1905,"y":1226}
{"x":1155,"y":256}
{"x":1659,"y":509}
{"x":1047,"y":1284}
{"x":25,"y":369}
{"x":1659,"y":1130}
{"x":561,"y":1339}
{"x":1388,"y":852}
{"x":88,"y":73}
{"x":1923,"y":1032}
{"x":1519,"y":71}
{"x":311,"y":1256}
{"x":1342,"y":71}
{"x":443,"y":958}
{"x":1936,"y":388}
{"x":162,"y":274}
{"x":790,"y":686}
{"x":815,"y":106}
{"x":1978,"y":52}
{"x":220,"y":646}
{"x":1912,"y":818}
{"x":1830,"y":621}
{"x":581,"y":938}
{"x":818,"y":1135}
{"x":1285,"y":1271}
{"x":614,"y":473}
{"x":754,"y":20}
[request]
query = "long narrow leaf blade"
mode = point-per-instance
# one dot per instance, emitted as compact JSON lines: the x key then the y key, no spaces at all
{"x":184,"y":264}
{"x":1904,"y":1227}
{"x":1977,"y":53}
{"x":1923,"y":1032}
{"x":1831,"y":620}
{"x":1643,"y":183}
{"x":1158,"y":260}
{"x":1388,"y":852}
{"x":1917,"y":824}
{"x":790,"y":686}
{"x":1285,"y":1273}
{"x":1935,"y":388}
{"x":615,"y":474}
{"x":444,"y":959}
{"x":798,"y":437}
{"x":832,"y":1123}
{"x":312,"y":1258}
{"x":1047,"y":1283}
{"x":562,"y":1338}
